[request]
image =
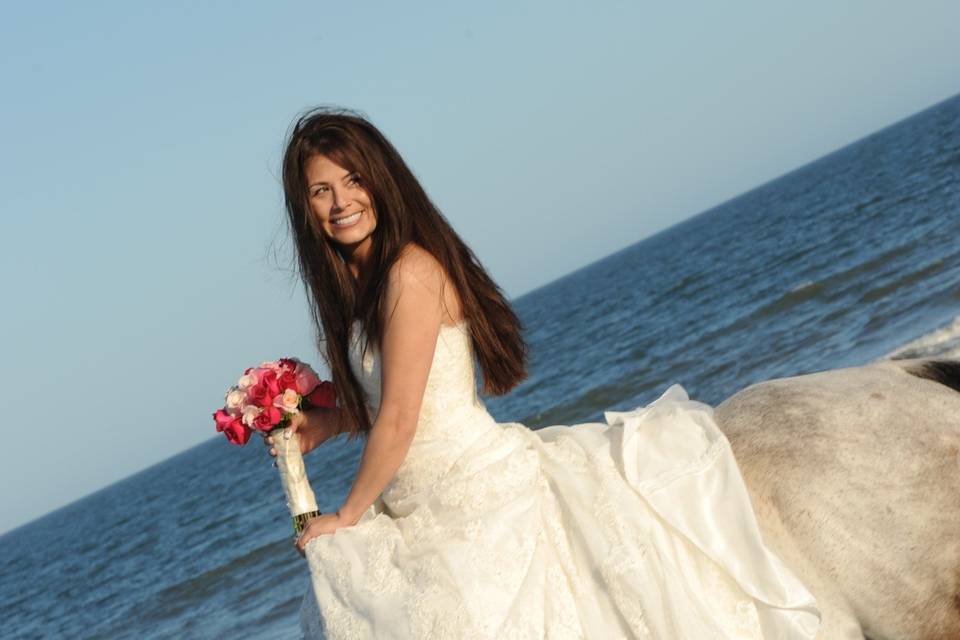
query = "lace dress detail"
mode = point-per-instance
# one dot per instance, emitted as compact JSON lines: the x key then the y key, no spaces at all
{"x":639,"y":527}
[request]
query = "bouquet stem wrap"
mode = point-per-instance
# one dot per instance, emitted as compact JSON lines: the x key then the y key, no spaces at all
{"x":293,"y":476}
{"x":264,"y":399}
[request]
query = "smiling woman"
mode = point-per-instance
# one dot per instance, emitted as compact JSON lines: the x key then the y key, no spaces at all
{"x":457,"y":526}
{"x":341,"y":205}
{"x":337,"y":165}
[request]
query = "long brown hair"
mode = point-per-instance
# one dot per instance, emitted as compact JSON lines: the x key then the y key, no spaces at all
{"x":404,"y":214}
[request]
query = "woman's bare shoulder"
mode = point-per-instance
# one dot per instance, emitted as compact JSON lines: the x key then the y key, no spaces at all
{"x":416,"y":268}
{"x":415,"y":262}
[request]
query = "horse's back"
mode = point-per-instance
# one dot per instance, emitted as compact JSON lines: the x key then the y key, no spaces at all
{"x":855,"y":474}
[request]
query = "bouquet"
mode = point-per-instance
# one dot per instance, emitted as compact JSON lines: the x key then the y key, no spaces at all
{"x":264,"y":399}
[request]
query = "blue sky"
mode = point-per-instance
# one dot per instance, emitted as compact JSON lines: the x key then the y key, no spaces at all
{"x":145,"y":262}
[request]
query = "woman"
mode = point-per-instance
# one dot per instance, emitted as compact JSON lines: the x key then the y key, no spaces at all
{"x":457,"y":526}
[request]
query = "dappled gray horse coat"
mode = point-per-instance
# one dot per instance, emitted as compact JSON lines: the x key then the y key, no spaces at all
{"x":855,"y":477}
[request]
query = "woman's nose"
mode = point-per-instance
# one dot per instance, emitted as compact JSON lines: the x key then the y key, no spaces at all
{"x":340,"y":199}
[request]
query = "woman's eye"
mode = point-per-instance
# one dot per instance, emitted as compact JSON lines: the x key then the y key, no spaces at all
{"x":354,"y":179}
{"x":319,"y":190}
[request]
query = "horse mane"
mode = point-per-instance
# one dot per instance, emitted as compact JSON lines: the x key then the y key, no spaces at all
{"x":946,"y":372}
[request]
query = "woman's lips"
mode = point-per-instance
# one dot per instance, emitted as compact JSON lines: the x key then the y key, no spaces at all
{"x":347,"y":221}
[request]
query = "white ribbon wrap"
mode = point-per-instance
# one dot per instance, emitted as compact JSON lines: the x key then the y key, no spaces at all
{"x":293,"y":474}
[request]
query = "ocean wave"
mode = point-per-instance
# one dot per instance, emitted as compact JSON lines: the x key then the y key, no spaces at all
{"x":943,"y":342}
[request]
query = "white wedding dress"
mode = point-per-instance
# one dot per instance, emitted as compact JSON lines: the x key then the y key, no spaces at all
{"x":637,"y":528}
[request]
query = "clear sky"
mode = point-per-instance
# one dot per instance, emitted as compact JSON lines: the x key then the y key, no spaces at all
{"x":144,"y":259}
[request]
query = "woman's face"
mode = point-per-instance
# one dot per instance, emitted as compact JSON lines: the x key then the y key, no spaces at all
{"x":341,"y":205}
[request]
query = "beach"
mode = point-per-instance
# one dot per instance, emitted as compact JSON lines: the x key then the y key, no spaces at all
{"x":846,"y":260}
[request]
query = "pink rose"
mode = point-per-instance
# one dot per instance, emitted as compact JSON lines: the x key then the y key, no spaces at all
{"x":269,"y":380}
{"x":288,"y":401}
{"x":268,"y":418}
{"x":323,"y":395}
{"x":306,"y":379}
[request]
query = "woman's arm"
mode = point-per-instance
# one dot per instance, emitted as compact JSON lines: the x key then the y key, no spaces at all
{"x":414,"y":311}
{"x":411,"y":328}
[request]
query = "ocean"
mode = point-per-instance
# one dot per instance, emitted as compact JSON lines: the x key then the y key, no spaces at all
{"x":849,"y":259}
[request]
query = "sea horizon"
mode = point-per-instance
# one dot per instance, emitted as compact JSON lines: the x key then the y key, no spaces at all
{"x":532,"y":293}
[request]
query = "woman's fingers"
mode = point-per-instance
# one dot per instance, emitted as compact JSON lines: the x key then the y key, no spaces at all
{"x":268,"y":441}
{"x":296,"y":421}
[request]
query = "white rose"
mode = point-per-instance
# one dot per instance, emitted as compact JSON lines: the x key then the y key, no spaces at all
{"x":246,"y":381}
{"x":235,"y":399}
{"x":250,"y":413}
{"x":288,"y":401}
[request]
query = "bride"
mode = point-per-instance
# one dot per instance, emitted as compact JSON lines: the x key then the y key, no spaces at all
{"x":457,"y":526}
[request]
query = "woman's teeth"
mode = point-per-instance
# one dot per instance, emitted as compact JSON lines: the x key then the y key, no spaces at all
{"x":347,"y":219}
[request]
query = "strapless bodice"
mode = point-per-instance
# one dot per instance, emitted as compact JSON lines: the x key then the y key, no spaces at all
{"x":452,"y":415}
{"x":638,"y":528}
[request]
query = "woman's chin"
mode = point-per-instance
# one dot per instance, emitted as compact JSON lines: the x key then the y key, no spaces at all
{"x":351,"y":234}
{"x":350,"y":240}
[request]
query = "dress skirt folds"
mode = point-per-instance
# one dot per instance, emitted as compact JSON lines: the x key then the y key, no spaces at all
{"x":639,"y":527}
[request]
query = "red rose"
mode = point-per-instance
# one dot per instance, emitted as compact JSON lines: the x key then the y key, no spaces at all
{"x":269,"y":380}
{"x":323,"y":395}
{"x":223,"y":419}
{"x":233,"y":428}
{"x":287,"y":364}
{"x":268,"y":418}
{"x":259,"y":395}
{"x":287,"y":380}
{"x":237,"y":432}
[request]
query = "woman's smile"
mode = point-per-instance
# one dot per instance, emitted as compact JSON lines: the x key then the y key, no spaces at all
{"x":346,"y":220}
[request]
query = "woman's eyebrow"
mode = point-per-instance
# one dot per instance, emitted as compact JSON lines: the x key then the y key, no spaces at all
{"x":324,"y":182}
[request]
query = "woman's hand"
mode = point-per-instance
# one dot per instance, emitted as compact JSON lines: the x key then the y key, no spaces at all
{"x":326,"y":523}
{"x":314,"y":427}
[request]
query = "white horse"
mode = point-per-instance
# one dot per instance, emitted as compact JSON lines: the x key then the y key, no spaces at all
{"x":855,"y":477}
